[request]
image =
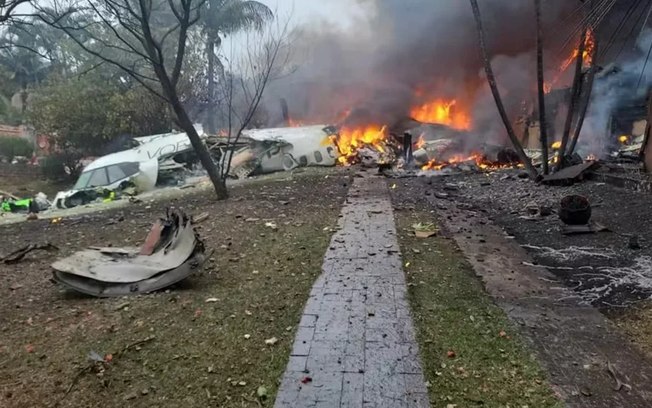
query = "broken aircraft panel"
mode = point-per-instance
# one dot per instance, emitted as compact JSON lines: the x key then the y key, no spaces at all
{"x":139,"y":166}
{"x":105,"y":272}
{"x":284,"y":149}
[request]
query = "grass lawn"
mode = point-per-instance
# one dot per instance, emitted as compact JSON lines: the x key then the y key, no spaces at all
{"x":472,"y":355}
{"x":202,"y":343}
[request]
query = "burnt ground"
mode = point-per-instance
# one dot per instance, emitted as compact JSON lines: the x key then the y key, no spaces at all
{"x":548,"y":283}
{"x":602,"y":268}
{"x":171,"y":348}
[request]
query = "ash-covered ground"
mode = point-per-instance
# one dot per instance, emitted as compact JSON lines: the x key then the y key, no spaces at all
{"x":605,"y":269}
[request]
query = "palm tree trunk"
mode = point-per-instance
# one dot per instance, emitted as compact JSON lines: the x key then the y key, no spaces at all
{"x":212,"y":109}
{"x":496,"y":94}
{"x":573,"y":100}
{"x":586,"y":100}
{"x":543,"y":123}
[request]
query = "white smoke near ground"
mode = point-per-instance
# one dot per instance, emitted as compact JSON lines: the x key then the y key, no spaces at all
{"x":619,"y":84}
{"x":402,"y":54}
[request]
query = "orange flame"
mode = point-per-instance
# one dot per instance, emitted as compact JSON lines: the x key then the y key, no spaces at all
{"x":587,"y":55}
{"x":294,"y":123}
{"x":421,"y":142}
{"x":349,"y":141}
{"x":623,"y":139}
{"x":442,"y":112}
{"x":477,"y":158}
{"x":556,"y":145}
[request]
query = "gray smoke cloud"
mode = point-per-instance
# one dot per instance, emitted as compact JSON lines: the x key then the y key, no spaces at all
{"x":408,"y":52}
{"x":619,"y":85}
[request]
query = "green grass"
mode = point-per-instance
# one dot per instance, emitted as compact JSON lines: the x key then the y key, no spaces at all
{"x":491,"y":366}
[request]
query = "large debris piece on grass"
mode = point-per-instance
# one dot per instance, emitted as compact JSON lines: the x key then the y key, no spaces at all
{"x":170,"y":254}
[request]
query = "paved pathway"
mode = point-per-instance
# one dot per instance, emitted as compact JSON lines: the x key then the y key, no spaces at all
{"x":356,"y":339}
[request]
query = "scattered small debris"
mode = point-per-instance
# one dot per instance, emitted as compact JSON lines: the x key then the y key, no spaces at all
{"x":272,"y":341}
{"x":306,"y":380}
{"x":262,"y":392}
{"x":124,"y":305}
{"x":590,"y":228}
{"x":200,"y":218}
{"x":424,"y":230}
{"x":619,"y":384}
{"x":451,"y":354}
{"x":17,"y":255}
{"x":271,"y":225}
{"x":212,"y":300}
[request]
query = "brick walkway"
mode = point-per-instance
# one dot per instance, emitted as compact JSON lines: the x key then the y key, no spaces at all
{"x":356,"y":339}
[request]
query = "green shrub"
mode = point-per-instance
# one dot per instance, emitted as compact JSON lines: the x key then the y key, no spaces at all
{"x":62,"y":166}
{"x":11,"y":147}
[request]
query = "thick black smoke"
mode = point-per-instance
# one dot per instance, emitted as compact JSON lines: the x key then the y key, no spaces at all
{"x":408,"y":52}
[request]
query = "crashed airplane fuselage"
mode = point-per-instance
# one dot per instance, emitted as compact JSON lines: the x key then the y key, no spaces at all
{"x":284,"y":149}
{"x":138,"y":167}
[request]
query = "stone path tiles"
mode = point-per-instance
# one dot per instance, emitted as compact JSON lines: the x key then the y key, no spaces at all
{"x":355,"y":341}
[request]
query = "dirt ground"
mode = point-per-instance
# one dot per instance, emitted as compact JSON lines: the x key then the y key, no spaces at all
{"x":30,"y":187}
{"x":171,"y":348}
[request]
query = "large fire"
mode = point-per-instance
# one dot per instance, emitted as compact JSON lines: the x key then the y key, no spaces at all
{"x":350,"y":140}
{"x":444,"y":112}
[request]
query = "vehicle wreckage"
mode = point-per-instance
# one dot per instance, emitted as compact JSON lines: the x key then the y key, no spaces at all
{"x":170,"y":253}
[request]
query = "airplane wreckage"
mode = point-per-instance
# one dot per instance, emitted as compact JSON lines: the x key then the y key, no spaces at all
{"x":170,"y":253}
{"x":168,"y":159}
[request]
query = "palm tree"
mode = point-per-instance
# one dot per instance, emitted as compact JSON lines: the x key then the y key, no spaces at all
{"x":224,"y":17}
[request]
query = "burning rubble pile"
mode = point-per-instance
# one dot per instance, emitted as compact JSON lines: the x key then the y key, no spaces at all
{"x":435,"y":137}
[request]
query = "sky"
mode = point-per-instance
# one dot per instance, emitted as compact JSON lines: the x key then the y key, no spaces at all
{"x":339,"y":12}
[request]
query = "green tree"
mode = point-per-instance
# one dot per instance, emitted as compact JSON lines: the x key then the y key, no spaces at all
{"x":221,"y":18}
{"x":85,"y":114}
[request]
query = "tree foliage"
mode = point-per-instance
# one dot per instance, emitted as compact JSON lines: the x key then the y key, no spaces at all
{"x":87,"y":113}
{"x":11,"y":147}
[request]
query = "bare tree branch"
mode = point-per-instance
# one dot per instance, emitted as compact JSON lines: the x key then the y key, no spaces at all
{"x":8,"y":8}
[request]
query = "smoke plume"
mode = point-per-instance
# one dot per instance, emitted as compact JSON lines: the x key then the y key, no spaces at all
{"x":407,"y":52}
